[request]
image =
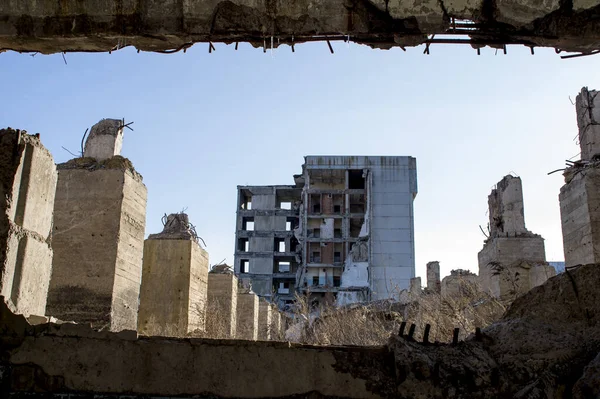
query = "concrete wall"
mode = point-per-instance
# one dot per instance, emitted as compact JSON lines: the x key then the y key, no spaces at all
{"x":506,"y":208}
{"x":509,"y":252}
{"x":174,"y":287}
{"x":580,"y":219}
{"x":264,"y":320}
{"x":247,"y":316}
{"x":99,"y":226}
{"x":27,"y":187}
{"x":221,"y":315}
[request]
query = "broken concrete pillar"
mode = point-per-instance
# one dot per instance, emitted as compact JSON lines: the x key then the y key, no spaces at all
{"x":174,"y":281}
{"x":580,"y":196}
{"x":105,"y":140}
{"x":587,"y":106}
{"x":264,"y":320}
{"x":247,"y":316}
{"x":27,"y":188}
{"x":433,"y":276}
{"x":276,"y":329}
{"x":415,"y":288}
{"x":221,"y":304}
{"x":511,"y":250}
{"x":98,"y":241}
{"x":458,"y":282}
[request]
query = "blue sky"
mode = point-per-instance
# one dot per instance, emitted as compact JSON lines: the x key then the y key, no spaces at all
{"x":205,"y":123}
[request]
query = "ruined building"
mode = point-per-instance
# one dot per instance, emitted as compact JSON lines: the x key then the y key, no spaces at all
{"x":513,"y":259}
{"x":98,"y":234}
{"x":344,"y":231}
{"x":174,"y":280}
{"x":580,"y":196}
{"x":27,"y":187}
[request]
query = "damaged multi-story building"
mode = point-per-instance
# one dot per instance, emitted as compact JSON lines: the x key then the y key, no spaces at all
{"x":343,"y":232}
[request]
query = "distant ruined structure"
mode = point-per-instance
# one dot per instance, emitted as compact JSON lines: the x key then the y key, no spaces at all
{"x":513,"y":259}
{"x":343,"y":233}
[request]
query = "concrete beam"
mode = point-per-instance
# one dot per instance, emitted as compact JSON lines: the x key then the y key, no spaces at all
{"x":170,"y":25}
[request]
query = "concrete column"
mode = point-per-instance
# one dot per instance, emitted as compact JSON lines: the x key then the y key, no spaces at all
{"x":98,"y":241}
{"x":511,"y":250}
{"x":222,"y":305}
{"x":415,"y":287}
{"x":27,"y":187}
{"x":264,"y":320}
{"x":174,"y":281}
{"x":275,"y":324}
{"x":580,"y":196}
{"x":433,"y":276}
{"x":247,"y":316}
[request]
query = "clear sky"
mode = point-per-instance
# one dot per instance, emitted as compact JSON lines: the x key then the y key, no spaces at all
{"x":205,"y":123}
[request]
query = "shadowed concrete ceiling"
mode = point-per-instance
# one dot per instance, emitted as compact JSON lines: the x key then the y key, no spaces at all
{"x":51,"y":26}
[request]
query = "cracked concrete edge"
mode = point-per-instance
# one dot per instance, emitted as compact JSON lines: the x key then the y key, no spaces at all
{"x":106,"y":26}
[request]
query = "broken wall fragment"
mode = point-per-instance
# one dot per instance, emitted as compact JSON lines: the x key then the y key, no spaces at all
{"x":27,"y":188}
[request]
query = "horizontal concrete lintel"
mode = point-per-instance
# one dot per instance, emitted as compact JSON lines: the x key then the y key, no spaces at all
{"x":173,"y":25}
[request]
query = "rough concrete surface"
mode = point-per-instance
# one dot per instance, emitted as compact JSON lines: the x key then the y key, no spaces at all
{"x":546,"y":346}
{"x":108,"y":25}
{"x":27,"y":186}
{"x":221,"y":315}
{"x":247,"y":316}
{"x":99,"y":227}
{"x":105,"y":140}
{"x":174,"y":287}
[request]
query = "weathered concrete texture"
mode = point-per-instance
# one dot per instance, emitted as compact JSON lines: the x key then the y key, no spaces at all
{"x":458,"y":281}
{"x":105,"y":140}
{"x":247,"y":316}
{"x":277,"y":332}
{"x":580,"y":217}
{"x":580,"y":196}
{"x":104,"y":25}
{"x":221,"y":314}
{"x":587,"y":105}
{"x":433,"y":276}
{"x":27,"y":186}
{"x":264,"y":320}
{"x":513,"y":259}
{"x":98,"y":238}
{"x":174,"y":287}
{"x":545,"y":346}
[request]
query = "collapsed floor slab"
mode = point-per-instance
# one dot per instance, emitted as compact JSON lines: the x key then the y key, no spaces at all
{"x":110,"y":25}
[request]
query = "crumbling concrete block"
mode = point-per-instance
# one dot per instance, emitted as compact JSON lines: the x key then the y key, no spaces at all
{"x":264,"y":320}
{"x":105,"y":140}
{"x":511,"y":250}
{"x":98,"y":238}
{"x":587,"y":106}
{"x":247,"y":316}
{"x":221,"y":313}
{"x":433,"y":276}
{"x":458,"y":281}
{"x":174,"y":281}
{"x":27,"y":186}
{"x":580,"y":196}
{"x":415,"y":288}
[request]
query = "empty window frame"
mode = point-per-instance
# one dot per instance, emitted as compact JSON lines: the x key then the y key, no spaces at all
{"x":283,"y":267}
{"x":315,"y":280}
{"x":356,"y":181}
{"x":243,"y":245}
{"x":355,"y":226}
{"x":285,"y":205}
{"x":248,"y":224}
{"x":244,"y":266}
{"x":357,"y":203}
{"x":291,"y":223}
{"x":315,"y":203}
{"x":245,"y":201}
{"x":279,"y":244}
